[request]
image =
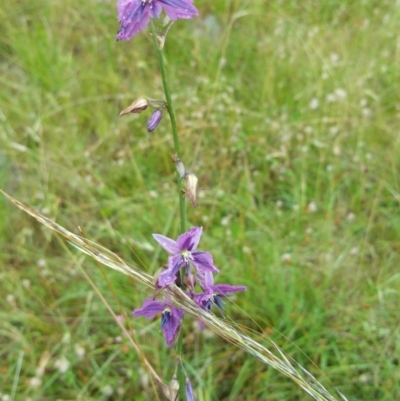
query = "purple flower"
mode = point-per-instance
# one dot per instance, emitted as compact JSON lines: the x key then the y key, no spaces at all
{"x":184,"y":254}
{"x":171,"y":320}
{"x":134,"y":15}
{"x":154,"y":120}
{"x":213,"y":294}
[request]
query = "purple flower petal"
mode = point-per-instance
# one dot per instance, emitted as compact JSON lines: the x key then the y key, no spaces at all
{"x":207,"y":294}
{"x":203,"y":262}
{"x":214,"y":294}
{"x":189,"y":390}
{"x":133,"y":16}
{"x":219,"y":302}
{"x":189,"y":240}
{"x":127,"y":8}
{"x":173,"y":325}
{"x":171,"y":320}
{"x":167,"y":277}
{"x":176,"y":9}
{"x":150,"y":308}
{"x":224,"y":289}
{"x":168,"y":244}
{"x":197,"y":298}
{"x":154,"y":120}
{"x":156,"y":9}
{"x":206,"y":279}
{"x":175,"y":262}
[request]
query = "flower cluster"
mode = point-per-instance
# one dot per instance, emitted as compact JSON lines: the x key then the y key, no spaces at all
{"x":198,"y":267}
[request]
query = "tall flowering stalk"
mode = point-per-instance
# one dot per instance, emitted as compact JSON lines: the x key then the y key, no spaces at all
{"x":188,"y":267}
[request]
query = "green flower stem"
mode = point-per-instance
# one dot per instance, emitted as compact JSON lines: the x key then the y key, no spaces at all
{"x":179,"y":346}
{"x":173,"y":123}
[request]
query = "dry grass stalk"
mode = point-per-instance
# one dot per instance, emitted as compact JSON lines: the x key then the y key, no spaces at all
{"x":282,"y":363}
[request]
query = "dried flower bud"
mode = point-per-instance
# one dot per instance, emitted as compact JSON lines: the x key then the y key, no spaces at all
{"x":137,"y":106}
{"x":173,"y":388}
{"x":154,"y":120}
{"x":191,"y":185}
{"x":161,"y":41}
{"x":179,"y":165}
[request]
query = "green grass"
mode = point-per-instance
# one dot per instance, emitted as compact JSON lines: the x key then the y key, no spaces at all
{"x":322,"y":281}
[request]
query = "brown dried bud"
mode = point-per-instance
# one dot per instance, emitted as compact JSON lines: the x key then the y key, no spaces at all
{"x":161,"y":41}
{"x":191,"y":186}
{"x":137,"y":106}
{"x":173,"y":388}
{"x":179,"y":165}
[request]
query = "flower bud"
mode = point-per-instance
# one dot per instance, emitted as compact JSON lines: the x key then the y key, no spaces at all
{"x":154,"y":120}
{"x":189,"y":390}
{"x":179,"y":165}
{"x":191,"y":186}
{"x":137,"y":106}
{"x":173,"y":388}
{"x":189,"y":281}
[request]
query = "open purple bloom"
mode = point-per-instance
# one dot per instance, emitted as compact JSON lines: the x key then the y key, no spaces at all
{"x":184,"y":254}
{"x":213,"y":294}
{"x":171,"y":319}
{"x":134,"y":15}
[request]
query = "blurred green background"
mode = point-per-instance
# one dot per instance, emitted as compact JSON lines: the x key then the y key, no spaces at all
{"x":289,"y":114}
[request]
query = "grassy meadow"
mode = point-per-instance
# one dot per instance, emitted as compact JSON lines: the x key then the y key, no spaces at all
{"x":289,"y":114}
